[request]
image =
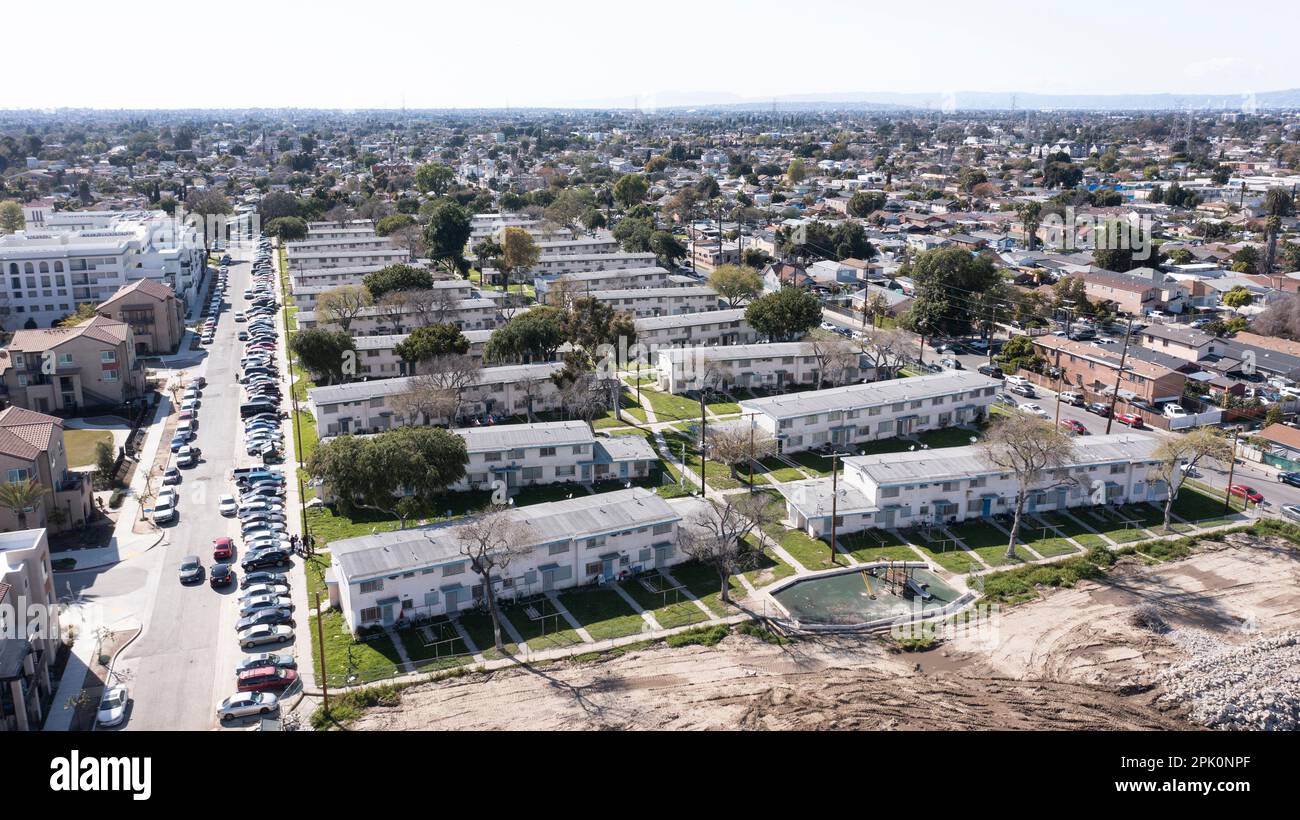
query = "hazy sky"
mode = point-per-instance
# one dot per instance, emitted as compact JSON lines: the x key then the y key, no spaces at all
{"x":234,"y":53}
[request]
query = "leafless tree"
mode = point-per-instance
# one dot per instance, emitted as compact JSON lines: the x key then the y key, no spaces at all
{"x":454,"y":373}
{"x":584,"y":397}
{"x":1033,"y":450}
{"x":492,"y":541}
{"x":410,"y":237}
{"x":343,"y":304}
{"x":716,"y":535}
{"x":425,"y":400}
{"x":430,"y":306}
{"x":562,"y":292}
{"x":394,"y":307}
{"x":1175,"y":454}
{"x":735,"y":444}
{"x":888,"y":350}
{"x":837,"y":359}
{"x":532,"y":391}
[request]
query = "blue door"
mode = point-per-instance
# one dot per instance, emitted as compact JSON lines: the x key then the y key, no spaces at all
{"x":988,"y":507}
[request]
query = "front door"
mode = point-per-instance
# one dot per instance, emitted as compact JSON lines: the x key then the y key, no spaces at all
{"x":607,"y":569}
{"x":988,"y":507}
{"x":886,"y":519}
{"x":452,"y":599}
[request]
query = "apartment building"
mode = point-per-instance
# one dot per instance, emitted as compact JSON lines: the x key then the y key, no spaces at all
{"x":421,"y":572}
{"x":642,"y":302}
{"x":31,"y":448}
{"x":706,"y":256}
{"x":580,"y":246}
{"x":314,"y":244}
{"x":553,"y":452}
{"x":68,"y":369}
{"x":944,"y":486}
{"x":305,"y":296}
{"x":713,"y":327}
{"x":479,"y":313}
{"x":85,"y":257}
{"x":1092,"y":368}
{"x":1181,"y":342}
{"x":340,"y":230}
{"x":154,"y":312}
{"x":26,"y":596}
{"x":587,"y":281}
{"x":330,"y":277}
{"x":377,"y":355}
{"x":376,"y":406}
{"x":578,"y":263}
{"x":772,"y":366}
{"x":842,"y":416}
{"x":316,"y":259}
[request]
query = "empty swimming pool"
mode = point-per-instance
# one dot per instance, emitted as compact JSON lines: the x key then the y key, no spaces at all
{"x":857,"y":596}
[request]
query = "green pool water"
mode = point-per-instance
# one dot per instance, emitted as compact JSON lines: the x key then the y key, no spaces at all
{"x":846,"y":598}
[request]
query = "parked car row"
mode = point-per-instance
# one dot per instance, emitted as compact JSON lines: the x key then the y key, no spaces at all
{"x":266,"y":610}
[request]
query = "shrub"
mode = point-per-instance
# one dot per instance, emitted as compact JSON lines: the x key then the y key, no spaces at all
{"x":754,"y":629}
{"x":701,"y":636}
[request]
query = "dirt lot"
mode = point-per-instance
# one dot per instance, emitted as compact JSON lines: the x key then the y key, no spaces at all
{"x":1071,"y":661}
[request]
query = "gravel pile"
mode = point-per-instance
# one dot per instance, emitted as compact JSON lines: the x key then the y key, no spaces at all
{"x":1252,"y":686}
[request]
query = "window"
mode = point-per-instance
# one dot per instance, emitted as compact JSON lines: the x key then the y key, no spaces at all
{"x":547,"y":452}
{"x":18,"y":475}
{"x":516,"y":454}
{"x":558,"y":549}
{"x":663,"y":529}
{"x":595,"y":543}
{"x":110,"y":375}
{"x":453,"y":569}
{"x":594,"y":568}
{"x":376,"y":585}
{"x":370,"y":614}
{"x":492,"y":456}
{"x":889,"y":492}
{"x":565,"y":471}
{"x":108,"y":356}
{"x":532,"y":473}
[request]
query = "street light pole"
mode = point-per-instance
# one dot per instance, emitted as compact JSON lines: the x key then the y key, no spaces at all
{"x":1232,"y":465}
{"x":1119,"y":376}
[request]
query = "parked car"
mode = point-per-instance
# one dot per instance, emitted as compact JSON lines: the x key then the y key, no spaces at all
{"x":1035,"y":410}
{"x":172,"y":476}
{"x":255,"y":590}
{"x":1072,"y":398}
{"x":1026,"y":390}
{"x":1131,"y":419}
{"x":254,"y":578}
{"x":1099,"y":408}
{"x":264,"y":677}
{"x":264,"y":559}
{"x":1249,"y":493}
{"x":227,"y":505}
{"x":264,"y":634}
{"x":246,"y":704}
{"x":164,"y":507}
{"x":112,"y":706}
{"x":1289,"y":478}
{"x":1291,"y":512}
{"x":990,"y":370}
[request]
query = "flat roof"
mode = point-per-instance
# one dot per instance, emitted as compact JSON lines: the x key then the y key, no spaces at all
{"x":872,"y":394}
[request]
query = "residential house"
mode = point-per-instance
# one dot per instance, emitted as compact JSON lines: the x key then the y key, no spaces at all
{"x":31,"y":448}
{"x":68,"y":369}
{"x":154,"y":312}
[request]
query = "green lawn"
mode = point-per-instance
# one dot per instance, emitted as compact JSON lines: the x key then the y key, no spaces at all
{"x":80,"y":446}
{"x":603,"y":613}
{"x":327,"y":527}
{"x":1045,"y":542}
{"x":987,"y":540}
{"x":948,"y":437}
{"x":768,"y":567}
{"x":446,"y":650}
{"x":778,"y":471}
{"x":1071,"y":528}
{"x":549,"y":630}
{"x":703,"y":583}
{"x":877,"y":545}
{"x":814,"y":463}
{"x":542,"y":493}
{"x":670,"y":609}
{"x":1117,"y":525}
{"x":478,"y":625}
{"x":349,"y":660}
{"x":945,"y":553}
{"x":717,"y":475}
{"x":1204,"y":504}
{"x":669,"y":407}
{"x":315,"y":567}
{"x":306,"y":427}
{"x":811,"y":553}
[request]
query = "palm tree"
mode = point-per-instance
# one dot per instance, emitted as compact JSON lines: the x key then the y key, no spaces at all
{"x":1030,"y":214}
{"x":21,"y":496}
{"x":1277,"y":203}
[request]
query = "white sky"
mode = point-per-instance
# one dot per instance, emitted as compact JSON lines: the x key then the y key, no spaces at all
{"x":436,"y":54}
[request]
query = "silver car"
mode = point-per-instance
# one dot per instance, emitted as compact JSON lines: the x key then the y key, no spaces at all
{"x":264,"y":633}
{"x":245,"y":704}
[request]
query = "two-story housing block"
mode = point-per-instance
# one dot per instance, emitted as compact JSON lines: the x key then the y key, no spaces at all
{"x":68,"y":369}
{"x":773,"y":366}
{"x":422,"y":572}
{"x":154,"y":312}
{"x":641,"y":302}
{"x":710,"y":327}
{"x":520,"y":455}
{"x":841,"y":416}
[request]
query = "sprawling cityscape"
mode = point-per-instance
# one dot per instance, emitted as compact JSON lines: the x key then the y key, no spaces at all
{"x":907,"y":410}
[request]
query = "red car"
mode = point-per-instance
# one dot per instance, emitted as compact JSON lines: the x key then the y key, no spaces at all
{"x":1249,"y":493}
{"x":1131,"y":419}
{"x":1075,"y":427}
{"x":223,"y":549}
{"x":265,"y":677}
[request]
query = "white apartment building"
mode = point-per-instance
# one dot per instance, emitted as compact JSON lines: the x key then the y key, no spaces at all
{"x":550,"y":452}
{"x":86,"y":257}
{"x":713,"y":327}
{"x":841,"y":416}
{"x":330,"y":277}
{"x":468,"y":314}
{"x":578,"y":263}
{"x":943,"y":486}
{"x":580,"y":246}
{"x":304,"y":296}
{"x":313,"y":245}
{"x":651,"y":277}
{"x":339,"y":230}
{"x":641,"y":302}
{"x":421,"y":572}
{"x":377,"y":355}
{"x":315,"y":259}
{"x":773,"y":366}
{"x":373,"y":406}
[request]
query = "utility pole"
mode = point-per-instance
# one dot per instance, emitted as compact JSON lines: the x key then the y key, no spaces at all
{"x":1232,"y":465}
{"x":835,"y":498}
{"x":704,"y":488}
{"x":1119,"y":376}
{"x":324,"y":674}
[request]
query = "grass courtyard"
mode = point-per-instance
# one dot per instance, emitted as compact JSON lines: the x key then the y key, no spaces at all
{"x":80,"y":446}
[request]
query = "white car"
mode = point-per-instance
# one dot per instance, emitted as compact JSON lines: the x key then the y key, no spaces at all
{"x":164,"y":507}
{"x":112,"y":706}
{"x":827,"y":326}
{"x":227,"y":505}
{"x":1036,"y":410}
{"x":264,"y":589}
{"x":245,"y":704}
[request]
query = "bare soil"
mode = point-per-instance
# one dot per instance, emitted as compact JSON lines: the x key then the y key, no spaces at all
{"x":1074,"y":660}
